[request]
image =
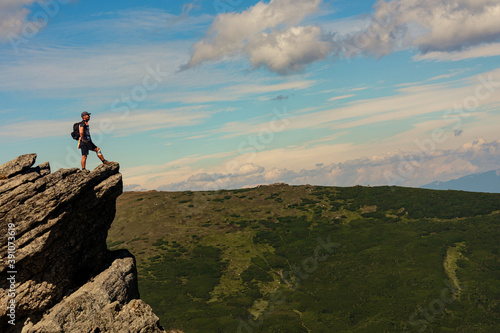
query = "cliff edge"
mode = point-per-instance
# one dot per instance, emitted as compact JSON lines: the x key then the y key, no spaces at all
{"x":56,"y":272}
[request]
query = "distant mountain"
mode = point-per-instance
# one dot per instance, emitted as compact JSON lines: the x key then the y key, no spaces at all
{"x":481,"y":182}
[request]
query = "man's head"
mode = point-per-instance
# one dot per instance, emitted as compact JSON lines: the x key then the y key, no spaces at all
{"x":85,"y":115}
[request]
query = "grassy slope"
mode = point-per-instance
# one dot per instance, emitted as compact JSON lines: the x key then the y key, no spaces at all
{"x":252,"y":260}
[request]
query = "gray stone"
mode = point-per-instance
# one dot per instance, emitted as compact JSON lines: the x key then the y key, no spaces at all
{"x":107,"y":303}
{"x":66,"y":280}
{"x":27,"y":177}
{"x":17,"y":165}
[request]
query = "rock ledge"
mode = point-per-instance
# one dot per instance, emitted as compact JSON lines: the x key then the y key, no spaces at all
{"x":56,"y":271}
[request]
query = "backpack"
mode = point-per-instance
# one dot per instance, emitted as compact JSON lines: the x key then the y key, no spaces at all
{"x":76,"y":131}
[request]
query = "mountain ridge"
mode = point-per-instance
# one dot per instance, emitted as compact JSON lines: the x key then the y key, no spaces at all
{"x":488,"y":182}
{"x":251,"y":260}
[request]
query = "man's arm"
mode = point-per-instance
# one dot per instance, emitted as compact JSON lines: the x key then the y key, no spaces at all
{"x":82,"y":136}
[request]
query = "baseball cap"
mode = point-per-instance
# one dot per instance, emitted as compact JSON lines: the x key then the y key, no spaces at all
{"x":85,"y":113}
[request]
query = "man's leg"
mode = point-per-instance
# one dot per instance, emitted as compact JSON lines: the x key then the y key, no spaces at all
{"x":84,"y":161}
{"x":101,"y":157}
{"x":85,"y":152}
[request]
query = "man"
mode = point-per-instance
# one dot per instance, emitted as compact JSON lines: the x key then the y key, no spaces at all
{"x":85,"y":142}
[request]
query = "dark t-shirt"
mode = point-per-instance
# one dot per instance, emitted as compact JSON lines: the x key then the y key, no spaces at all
{"x":86,"y":130}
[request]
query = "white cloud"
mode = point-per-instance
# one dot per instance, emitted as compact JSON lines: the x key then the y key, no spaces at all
{"x":336,"y":98}
{"x":249,"y":169}
{"x":186,"y":169}
{"x":143,"y":121}
{"x":480,"y":51}
{"x":236,"y":92}
{"x":439,"y":29}
{"x":289,"y":50}
{"x":122,"y":46}
{"x":341,"y":156}
{"x":118,"y":124}
{"x":13,"y":14}
{"x":346,"y":26}
{"x":205,"y":177}
{"x":87,"y":68}
{"x":402,"y":168}
{"x":34,"y":129}
{"x":267,"y":33}
{"x":408,"y":103}
{"x":429,"y":25}
{"x":141,"y":23}
{"x":454,"y":24}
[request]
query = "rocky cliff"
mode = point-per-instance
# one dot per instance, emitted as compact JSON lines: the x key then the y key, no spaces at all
{"x":56,"y":272}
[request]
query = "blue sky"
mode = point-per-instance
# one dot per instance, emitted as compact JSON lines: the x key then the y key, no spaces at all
{"x":199,"y":95}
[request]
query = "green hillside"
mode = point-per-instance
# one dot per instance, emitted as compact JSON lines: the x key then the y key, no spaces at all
{"x":315,"y":259}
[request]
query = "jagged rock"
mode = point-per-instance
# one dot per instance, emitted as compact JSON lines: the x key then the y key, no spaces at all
{"x":17,"y":165}
{"x":107,"y":303}
{"x":58,"y":224}
{"x":28,"y":176}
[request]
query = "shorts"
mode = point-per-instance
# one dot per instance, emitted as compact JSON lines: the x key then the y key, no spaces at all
{"x":86,"y":147}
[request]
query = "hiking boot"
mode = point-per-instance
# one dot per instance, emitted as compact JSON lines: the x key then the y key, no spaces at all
{"x":106,"y":162}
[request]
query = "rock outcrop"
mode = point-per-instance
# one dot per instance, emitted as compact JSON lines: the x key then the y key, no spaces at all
{"x":56,"y":272}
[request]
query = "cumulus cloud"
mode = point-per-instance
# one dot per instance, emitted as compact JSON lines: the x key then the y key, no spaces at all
{"x":456,"y":24}
{"x":270,"y":35}
{"x":133,"y":187}
{"x":288,"y":51}
{"x":206,"y":177}
{"x":243,"y":171}
{"x":267,"y":34}
{"x":428,"y":25}
{"x":249,"y":169}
